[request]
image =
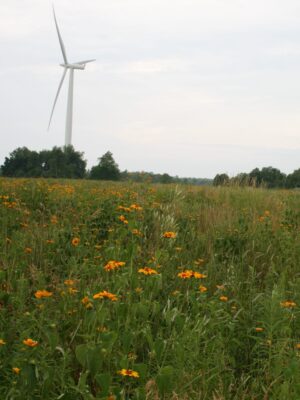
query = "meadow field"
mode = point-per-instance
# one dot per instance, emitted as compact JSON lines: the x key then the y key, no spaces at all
{"x":123,"y":291}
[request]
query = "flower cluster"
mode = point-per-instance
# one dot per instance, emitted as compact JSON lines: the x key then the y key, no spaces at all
{"x":147,"y":271}
{"x":188,"y":273}
{"x":105,"y":294}
{"x":112,"y":265}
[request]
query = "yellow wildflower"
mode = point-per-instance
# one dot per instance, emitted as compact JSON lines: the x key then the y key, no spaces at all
{"x":129,"y":372}
{"x":147,"y":271}
{"x":2,"y":342}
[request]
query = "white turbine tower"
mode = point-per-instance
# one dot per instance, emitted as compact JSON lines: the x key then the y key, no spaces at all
{"x":71,"y":67}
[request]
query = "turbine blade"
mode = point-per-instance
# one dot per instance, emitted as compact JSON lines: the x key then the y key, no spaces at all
{"x":57,"y":94}
{"x":84,"y":62}
{"x":62,"y":46}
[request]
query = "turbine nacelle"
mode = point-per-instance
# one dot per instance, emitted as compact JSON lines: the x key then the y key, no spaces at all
{"x":73,"y":66}
{"x":77,"y":65}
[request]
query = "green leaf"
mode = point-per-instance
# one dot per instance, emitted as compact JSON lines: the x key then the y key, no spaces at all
{"x":104,"y":381}
{"x":165,"y":380}
{"x":90,"y":357}
{"x":141,"y":369}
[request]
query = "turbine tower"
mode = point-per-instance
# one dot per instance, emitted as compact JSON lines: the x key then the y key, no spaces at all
{"x":67,"y":67}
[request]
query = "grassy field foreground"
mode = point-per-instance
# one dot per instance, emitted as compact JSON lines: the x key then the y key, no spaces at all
{"x":123,"y":291}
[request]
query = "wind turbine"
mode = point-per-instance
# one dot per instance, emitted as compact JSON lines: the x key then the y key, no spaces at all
{"x":71,"y":67}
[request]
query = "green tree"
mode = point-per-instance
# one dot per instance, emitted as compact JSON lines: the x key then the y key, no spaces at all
{"x":166,"y":178}
{"x":22,"y":162}
{"x":55,"y":163}
{"x":293,"y":180}
{"x":269,"y":176}
{"x":221,"y":180}
{"x":107,"y":169}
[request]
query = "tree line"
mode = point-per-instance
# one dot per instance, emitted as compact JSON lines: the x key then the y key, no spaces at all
{"x":66,"y":162}
{"x":268,"y":177}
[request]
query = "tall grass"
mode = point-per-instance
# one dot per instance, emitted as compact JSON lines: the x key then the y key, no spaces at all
{"x":215,"y":315}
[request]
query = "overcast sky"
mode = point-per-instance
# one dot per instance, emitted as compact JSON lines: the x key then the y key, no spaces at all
{"x":187,"y":87}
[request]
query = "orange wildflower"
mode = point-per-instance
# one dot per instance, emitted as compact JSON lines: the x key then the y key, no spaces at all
{"x":16,"y":370}
{"x":75,"y":241}
{"x":39,"y":294}
{"x":105,"y":294}
{"x":30,"y":343}
{"x":202,"y":289}
{"x":123,"y":219}
{"x":54,"y":219}
{"x":136,"y":232}
{"x":224,"y":298}
{"x":69,"y":282}
{"x":86,"y":302}
{"x":288,"y":304}
{"x":187,"y":274}
{"x":198,"y":275}
{"x":169,"y":235}
{"x":136,"y":207}
{"x":28,"y":250}
{"x":111,"y":265}
{"x":259,"y":329}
